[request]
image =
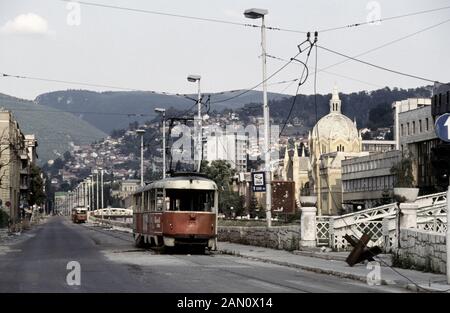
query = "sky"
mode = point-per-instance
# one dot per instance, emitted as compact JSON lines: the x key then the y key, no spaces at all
{"x":54,"y":40}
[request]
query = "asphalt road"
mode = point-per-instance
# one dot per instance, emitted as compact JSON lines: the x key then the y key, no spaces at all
{"x":109,"y":262}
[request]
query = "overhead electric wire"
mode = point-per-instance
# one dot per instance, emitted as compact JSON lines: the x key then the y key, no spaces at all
{"x":81,"y":112}
{"x":387,"y":44}
{"x":301,"y":81}
{"x":221,"y":21}
{"x":259,"y":84}
{"x":183,"y":16}
{"x":383,"y":19}
{"x":378,"y":66}
{"x":186,"y":96}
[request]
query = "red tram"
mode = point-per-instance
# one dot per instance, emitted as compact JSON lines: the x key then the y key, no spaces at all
{"x":79,"y":215}
{"x":176,"y":211}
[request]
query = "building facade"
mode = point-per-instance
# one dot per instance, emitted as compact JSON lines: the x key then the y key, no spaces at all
{"x":334,"y":138}
{"x":417,"y":138}
{"x":367,"y":181}
{"x":14,"y":166}
{"x":231,"y":147}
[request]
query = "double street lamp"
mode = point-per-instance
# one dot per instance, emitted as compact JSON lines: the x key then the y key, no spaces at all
{"x":260,"y":14}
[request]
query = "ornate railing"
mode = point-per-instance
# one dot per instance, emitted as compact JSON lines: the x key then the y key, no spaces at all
{"x":433,"y":218}
{"x":432,"y":199}
{"x":381,"y":223}
{"x":323,"y":230}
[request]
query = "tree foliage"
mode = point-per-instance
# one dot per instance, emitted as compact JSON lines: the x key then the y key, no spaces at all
{"x":403,"y":172}
{"x":221,"y":173}
{"x":37,"y":194}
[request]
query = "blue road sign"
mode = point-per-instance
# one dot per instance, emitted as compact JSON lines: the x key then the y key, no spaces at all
{"x":442,"y":126}
{"x":258,"y":182}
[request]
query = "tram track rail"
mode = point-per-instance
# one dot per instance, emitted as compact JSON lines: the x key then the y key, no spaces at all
{"x":182,"y":256}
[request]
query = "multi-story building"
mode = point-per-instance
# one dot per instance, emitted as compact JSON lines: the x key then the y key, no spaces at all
{"x":367,"y":181}
{"x":440,"y":154}
{"x":440,"y":102}
{"x":127,"y":187}
{"x":378,"y":145}
{"x":415,"y":135}
{"x":17,"y":153}
{"x":231,"y":147}
{"x":31,"y":145}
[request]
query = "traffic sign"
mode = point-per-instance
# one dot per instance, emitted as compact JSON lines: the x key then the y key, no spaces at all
{"x":258,"y":182}
{"x":442,"y":126}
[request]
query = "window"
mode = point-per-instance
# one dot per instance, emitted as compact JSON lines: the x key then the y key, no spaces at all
{"x":145,"y":201}
{"x":426,"y":124}
{"x":414,"y":127}
{"x":402,"y":130}
{"x":407,"y":129}
{"x":159,"y":199}
{"x":190,"y":200}
{"x":420,"y":126}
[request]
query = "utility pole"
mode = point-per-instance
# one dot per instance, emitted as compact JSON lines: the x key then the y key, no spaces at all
{"x":198,"y":146}
{"x":163,"y":111}
{"x":97,"y":206}
{"x":141,"y":132}
{"x":256,"y":14}
{"x":89,"y":193}
{"x":92,"y":192}
{"x":101,"y":171}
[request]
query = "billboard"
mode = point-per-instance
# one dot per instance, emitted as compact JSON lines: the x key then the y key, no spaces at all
{"x":283,"y":197}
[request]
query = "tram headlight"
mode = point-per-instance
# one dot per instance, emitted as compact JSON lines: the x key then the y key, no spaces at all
{"x":171,"y":226}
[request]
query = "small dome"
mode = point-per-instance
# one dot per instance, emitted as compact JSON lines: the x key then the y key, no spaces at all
{"x":335,"y":126}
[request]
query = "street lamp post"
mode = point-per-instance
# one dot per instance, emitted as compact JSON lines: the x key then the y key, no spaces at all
{"x":141,"y":132}
{"x":256,"y":14}
{"x":98,"y":202}
{"x":163,"y":111}
{"x":198,"y":146}
{"x":101,"y":182}
{"x":92,"y":193}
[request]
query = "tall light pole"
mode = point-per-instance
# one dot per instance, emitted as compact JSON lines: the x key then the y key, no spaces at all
{"x":141,"y":133}
{"x":256,"y":14}
{"x":98,"y":202}
{"x":101,"y":182}
{"x":92,"y":193}
{"x":88,"y":188}
{"x":198,"y":146}
{"x":163,"y":111}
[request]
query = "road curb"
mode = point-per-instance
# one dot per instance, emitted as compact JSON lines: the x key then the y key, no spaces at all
{"x":322,"y":271}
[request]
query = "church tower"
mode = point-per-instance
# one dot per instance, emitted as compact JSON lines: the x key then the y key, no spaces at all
{"x":335,"y":102}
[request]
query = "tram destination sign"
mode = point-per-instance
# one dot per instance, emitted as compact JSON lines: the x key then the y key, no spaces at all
{"x":258,"y":182}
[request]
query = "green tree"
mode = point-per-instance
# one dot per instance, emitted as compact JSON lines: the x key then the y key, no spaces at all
{"x":221,"y":173}
{"x":403,"y":172}
{"x":37,"y":194}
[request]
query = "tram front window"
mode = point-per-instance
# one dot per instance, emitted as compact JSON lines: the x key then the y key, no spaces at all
{"x":190,"y":200}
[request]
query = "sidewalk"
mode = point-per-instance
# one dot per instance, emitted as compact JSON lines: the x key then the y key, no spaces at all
{"x":409,"y":279}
